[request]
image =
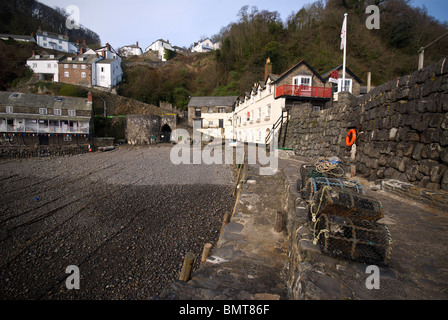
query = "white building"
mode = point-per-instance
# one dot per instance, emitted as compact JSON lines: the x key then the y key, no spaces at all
{"x":131,"y":50}
{"x":159,"y":46}
{"x":263,"y":109}
{"x":212,"y":115}
{"x":206,"y":45}
{"x":54,"y":41}
{"x":45,"y":66}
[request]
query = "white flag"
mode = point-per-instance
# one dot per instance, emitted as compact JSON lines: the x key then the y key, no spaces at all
{"x":344,"y":33}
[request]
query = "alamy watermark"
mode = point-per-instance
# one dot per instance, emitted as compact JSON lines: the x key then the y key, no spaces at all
{"x":72,"y":281}
{"x":373,"y":281}
{"x":73,"y":19}
{"x":223,"y":151}
{"x":373,"y":21}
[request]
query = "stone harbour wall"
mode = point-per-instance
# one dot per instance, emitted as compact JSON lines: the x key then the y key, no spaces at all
{"x":402,"y":129}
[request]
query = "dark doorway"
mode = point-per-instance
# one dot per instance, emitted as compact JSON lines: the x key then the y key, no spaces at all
{"x":165,"y":135}
{"x":221,"y":123}
{"x":44,"y":140}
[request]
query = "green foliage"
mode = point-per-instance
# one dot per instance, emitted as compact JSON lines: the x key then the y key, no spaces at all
{"x":169,"y":54}
{"x":70,"y":90}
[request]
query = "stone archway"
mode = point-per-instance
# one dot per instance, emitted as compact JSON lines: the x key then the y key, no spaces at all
{"x":165,"y":133}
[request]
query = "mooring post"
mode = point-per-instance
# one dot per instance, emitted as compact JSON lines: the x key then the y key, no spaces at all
{"x":278,"y":222}
{"x":226,"y":219}
{"x":206,"y":252}
{"x":185,"y":273}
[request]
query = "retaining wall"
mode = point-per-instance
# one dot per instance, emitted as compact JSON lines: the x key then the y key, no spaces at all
{"x":402,"y":129}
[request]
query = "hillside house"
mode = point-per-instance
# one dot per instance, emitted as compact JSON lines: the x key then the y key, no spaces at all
{"x":206,"y":45}
{"x":108,"y":70}
{"x":212,"y":115}
{"x":79,"y":70}
{"x":45,"y":66}
{"x":159,"y":46}
{"x":34,"y":119}
{"x":130,"y":50}
{"x":54,"y":41}
{"x":265,"y":107}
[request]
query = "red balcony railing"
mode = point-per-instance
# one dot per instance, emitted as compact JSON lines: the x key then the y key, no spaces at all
{"x":302,"y":91}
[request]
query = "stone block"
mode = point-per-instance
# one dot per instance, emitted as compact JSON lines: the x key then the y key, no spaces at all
{"x":437,"y":173}
{"x":431,"y":151}
{"x":417,"y":153}
{"x":412,"y":171}
{"x":426,"y":166}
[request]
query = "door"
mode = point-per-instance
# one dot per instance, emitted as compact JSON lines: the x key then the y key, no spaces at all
{"x":165,"y":135}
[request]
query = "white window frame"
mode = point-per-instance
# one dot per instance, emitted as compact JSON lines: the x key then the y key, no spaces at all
{"x":350,"y":81}
{"x":66,"y":74}
{"x":57,"y":112}
{"x":268,"y":110}
{"x":9,"y":109}
{"x":83,"y":75}
{"x":43,"y":111}
{"x":72,"y":113}
{"x":298,"y":81}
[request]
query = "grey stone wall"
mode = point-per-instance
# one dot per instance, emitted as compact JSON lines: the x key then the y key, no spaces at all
{"x":402,"y":129}
{"x":142,"y":129}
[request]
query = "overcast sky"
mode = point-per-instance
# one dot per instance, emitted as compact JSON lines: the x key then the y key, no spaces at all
{"x":182,"y":22}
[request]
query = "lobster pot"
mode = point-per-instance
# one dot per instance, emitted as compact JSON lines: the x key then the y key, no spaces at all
{"x":313,"y":185}
{"x":361,"y":241}
{"x":306,"y":172}
{"x":345,"y":203}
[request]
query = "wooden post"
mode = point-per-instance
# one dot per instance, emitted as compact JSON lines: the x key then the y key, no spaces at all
{"x":278,"y":222}
{"x":206,"y":252}
{"x":226,"y":219}
{"x":185,"y":273}
{"x":353,"y":161}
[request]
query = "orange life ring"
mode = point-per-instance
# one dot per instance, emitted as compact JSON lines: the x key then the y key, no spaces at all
{"x":351,"y":137}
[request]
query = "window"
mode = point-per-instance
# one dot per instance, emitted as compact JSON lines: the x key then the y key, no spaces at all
{"x":67,"y":137}
{"x":210,"y":109}
{"x":65,"y":66}
{"x":75,"y":66}
{"x":316,"y":108}
{"x":102,"y":69}
{"x":221,"y":110}
{"x":49,"y":65}
{"x":268,"y":110}
{"x":302,"y":81}
{"x":347,"y":87}
{"x":83,"y":66}
{"x":34,"y":65}
{"x":9,"y":109}
{"x":83,"y":75}
{"x":197,"y":112}
{"x":72,"y":113}
{"x":103,"y":78}
{"x":66,"y":74}
{"x":43,"y":111}
{"x":210,"y":123}
{"x":259,"y":113}
{"x":57,"y":112}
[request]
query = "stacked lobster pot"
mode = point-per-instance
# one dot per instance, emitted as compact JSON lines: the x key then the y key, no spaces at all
{"x":343,"y":218}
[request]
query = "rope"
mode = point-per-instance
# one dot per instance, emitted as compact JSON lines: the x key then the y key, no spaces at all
{"x":314,"y":214}
{"x":316,"y":239}
{"x":325,"y":166}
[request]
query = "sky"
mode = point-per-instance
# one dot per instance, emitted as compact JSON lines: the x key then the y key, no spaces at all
{"x":182,"y":22}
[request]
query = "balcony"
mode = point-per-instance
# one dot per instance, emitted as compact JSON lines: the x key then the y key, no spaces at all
{"x":302,"y":91}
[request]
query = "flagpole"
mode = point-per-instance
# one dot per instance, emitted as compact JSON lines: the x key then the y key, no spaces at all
{"x":345,"y":53}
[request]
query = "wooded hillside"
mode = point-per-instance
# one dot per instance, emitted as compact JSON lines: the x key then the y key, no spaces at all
{"x":311,"y":33}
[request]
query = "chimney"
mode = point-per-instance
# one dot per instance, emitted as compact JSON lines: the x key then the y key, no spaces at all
{"x":137,"y":43}
{"x":39,"y":29}
{"x":103,"y":54}
{"x":108,"y":46}
{"x":84,"y":42}
{"x":267,"y":68}
{"x":89,"y":98}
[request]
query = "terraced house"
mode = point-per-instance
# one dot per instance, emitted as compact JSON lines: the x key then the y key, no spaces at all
{"x":32,"y":119}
